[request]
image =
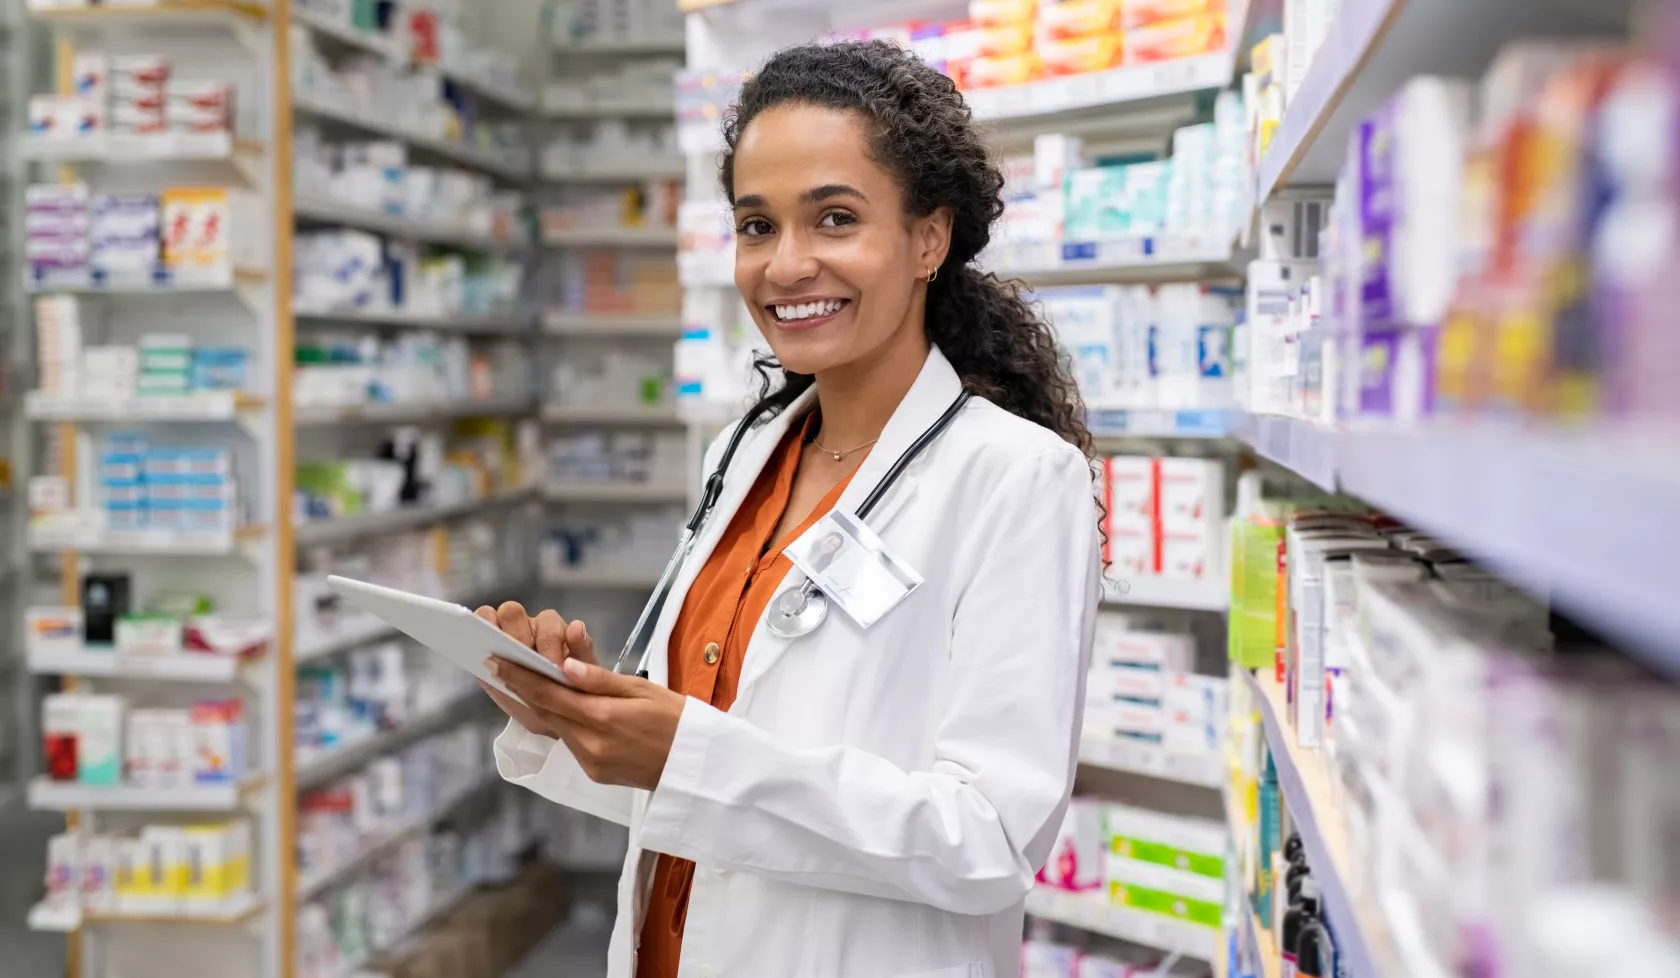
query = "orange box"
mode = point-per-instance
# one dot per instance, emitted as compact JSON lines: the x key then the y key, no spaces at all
{"x":1072,"y":18}
{"x":997,"y":13}
{"x":1008,"y":69}
{"x":1184,"y":37}
{"x":1137,"y":13}
{"x":1079,"y":55}
{"x":998,"y":41}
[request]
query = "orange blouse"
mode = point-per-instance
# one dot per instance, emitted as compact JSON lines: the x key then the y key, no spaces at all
{"x":709,"y":644}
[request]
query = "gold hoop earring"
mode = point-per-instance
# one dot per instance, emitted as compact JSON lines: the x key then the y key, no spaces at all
{"x":932,"y":275}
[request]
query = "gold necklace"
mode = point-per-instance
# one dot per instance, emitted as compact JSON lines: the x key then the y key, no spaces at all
{"x":840,"y":456}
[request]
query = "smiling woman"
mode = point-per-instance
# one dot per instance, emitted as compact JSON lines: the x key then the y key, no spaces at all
{"x":870,"y":797}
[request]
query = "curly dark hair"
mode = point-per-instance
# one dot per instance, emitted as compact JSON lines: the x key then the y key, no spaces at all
{"x":924,"y":134}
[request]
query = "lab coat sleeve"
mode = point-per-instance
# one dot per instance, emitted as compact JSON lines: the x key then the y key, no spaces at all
{"x":968,"y":834}
{"x":548,"y":768}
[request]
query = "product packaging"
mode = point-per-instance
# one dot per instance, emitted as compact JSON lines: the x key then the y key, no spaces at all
{"x":1075,"y":862}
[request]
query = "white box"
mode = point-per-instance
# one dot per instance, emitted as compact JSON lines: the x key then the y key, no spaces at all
{"x":99,"y":870}
{"x":1130,"y":552}
{"x":1129,"y":483}
{"x":1192,"y":555}
{"x":99,"y":740}
{"x":1192,"y":493}
{"x":1118,"y":645}
{"x":54,"y":630}
{"x":1076,"y":858}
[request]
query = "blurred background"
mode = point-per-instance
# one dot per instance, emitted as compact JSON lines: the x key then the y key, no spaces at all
{"x":1369,"y":301}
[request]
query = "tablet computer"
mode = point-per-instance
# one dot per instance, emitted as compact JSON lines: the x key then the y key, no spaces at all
{"x":447,"y":629}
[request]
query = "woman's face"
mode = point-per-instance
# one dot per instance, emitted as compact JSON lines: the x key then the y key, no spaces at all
{"x":825,"y":256}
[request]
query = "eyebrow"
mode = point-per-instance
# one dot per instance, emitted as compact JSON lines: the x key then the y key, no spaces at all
{"x":815,"y":195}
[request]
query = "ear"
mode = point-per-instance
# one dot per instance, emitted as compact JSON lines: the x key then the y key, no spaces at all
{"x":932,"y":240}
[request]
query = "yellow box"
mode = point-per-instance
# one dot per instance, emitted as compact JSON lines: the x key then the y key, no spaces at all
{"x":217,"y":867}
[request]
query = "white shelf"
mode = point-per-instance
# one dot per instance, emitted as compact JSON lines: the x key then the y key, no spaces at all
{"x":344,"y":33}
{"x":316,"y":533}
{"x":606,"y":492}
{"x":1304,"y":448}
{"x":626,"y":327}
{"x":625,"y":108}
{"x":313,"y":106}
{"x":1376,"y":45}
{"x":491,"y":323}
{"x":661,"y":415}
{"x":63,"y":796}
{"x":51,"y":918}
{"x":621,"y":171}
{"x":180,"y":543}
{"x":381,"y":843}
{"x":1090,"y":912}
{"x":326,"y":210}
{"x":601,"y":580}
{"x":185,"y":667}
{"x":201,"y":406}
{"x":347,"y":757}
{"x":1149,"y":258}
{"x":1132,"y":757}
{"x":611,"y":237}
{"x":156,"y":281}
{"x":673,"y":46}
{"x":400,"y":413}
{"x":1119,"y":422}
{"x":1168,"y":592}
{"x":164,"y":13}
{"x":1112,"y":89}
{"x":493,"y":93}
{"x":139,"y":148}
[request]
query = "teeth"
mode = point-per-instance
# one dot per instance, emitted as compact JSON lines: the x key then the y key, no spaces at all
{"x":808,"y":310}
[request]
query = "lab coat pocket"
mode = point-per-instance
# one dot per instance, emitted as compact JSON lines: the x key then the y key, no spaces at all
{"x":974,"y":969}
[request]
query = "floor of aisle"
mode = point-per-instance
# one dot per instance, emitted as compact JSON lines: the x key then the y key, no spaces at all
{"x":578,"y":947}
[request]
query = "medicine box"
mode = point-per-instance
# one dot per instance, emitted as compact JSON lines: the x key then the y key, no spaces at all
{"x":1170,"y":892}
{"x":99,"y":734}
{"x":1076,"y":858}
{"x":1177,"y":842}
{"x":1116,"y":644}
{"x":53,"y":630}
{"x":219,"y":741}
{"x":217,"y":865}
{"x":1129,"y":492}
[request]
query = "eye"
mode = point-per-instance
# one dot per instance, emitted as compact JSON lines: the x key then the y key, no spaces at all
{"x":753,"y":227}
{"x":837,"y":219}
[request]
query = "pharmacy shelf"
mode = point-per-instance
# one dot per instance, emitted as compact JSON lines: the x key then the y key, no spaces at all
{"x":613,"y":327}
{"x":380,"y":843}
{"x":653,"y":47}
{"x":611,"y":237}
{"x":1304,"y":448}
{"x":319,"y":532}
{"x":163,"y":543}
{"x":601,"y":580}
{"x":1167,"y":592}
{"x":492,"y":93}
{"x":312,"y":106}
{"x":1376,"y":45}
{"x":51,"y":918}
{"x":621,"y":171}
{"x":1149,"y":258}
{"x":660,"y":108}
{"x":1091,"y":912}
{"x":171,"y":13}
{"x":607,"y":492}
{"x":346,"y":35}
{"x":401,"y":413}
{"x":351,"y":755}
{"x":477,"y":323}
{"x":140,"y":148}
{"x":313,"y":209}
{"x":1133,"y":87}
{"x":1598,"y":541}
{"x":185,"y":667}
{"x":1134,"y":757}
{"x":1161,"y":422}
{"x":440,"y":906}
{"x":1262,"y":947}
{"x":63,"y":796}
{"x":629,"y":415}
{"x":156,"y":281}
{"x":1306,"y":787}
{"x":200,"y":406}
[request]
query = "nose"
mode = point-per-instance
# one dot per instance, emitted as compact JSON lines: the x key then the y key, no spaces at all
{"x":793,"y":261}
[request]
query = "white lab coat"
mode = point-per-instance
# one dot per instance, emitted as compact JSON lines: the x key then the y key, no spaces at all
{"x":875,"y":804}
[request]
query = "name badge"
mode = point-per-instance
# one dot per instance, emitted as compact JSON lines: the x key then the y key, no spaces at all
{"x":853,"y":567}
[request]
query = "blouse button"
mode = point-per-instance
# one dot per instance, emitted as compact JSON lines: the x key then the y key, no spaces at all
{"x":712,"y":652}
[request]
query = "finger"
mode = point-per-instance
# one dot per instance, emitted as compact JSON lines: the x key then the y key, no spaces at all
{"x":550,"y":631}
{"x":517,"y":712}
{"x":544,"y":694}
{"x":511,"y":618}
{"x":579,"y":645}
{"x":598,"y":681}
{"x":488,"y":614}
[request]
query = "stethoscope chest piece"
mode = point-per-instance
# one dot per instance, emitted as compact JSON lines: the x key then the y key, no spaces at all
{"x":796,"y":612}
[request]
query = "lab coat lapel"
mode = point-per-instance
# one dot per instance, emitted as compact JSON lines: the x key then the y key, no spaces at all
{"x":755,"y":449}
{"x":935,"y":388}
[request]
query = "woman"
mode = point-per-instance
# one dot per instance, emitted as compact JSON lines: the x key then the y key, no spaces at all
{"x":857,"y":802}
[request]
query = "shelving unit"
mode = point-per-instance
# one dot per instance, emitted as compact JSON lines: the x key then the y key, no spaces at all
{"x":1091,"y":912}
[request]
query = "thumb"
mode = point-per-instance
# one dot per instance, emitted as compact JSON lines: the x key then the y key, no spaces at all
{"x":587,"y":678}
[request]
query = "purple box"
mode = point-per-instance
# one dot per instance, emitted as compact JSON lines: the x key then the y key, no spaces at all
{"x":1379,"y":356}
{"x":1377,"y":307}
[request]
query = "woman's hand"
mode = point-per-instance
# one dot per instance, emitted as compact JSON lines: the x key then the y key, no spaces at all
{"x":551,"y":637}
{"x":619,"y":728}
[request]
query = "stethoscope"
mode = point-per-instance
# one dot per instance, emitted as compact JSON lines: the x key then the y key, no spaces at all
{"x":796,"y":611}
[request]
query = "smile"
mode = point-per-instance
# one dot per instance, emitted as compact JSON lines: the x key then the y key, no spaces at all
{"x":804,"y":312}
